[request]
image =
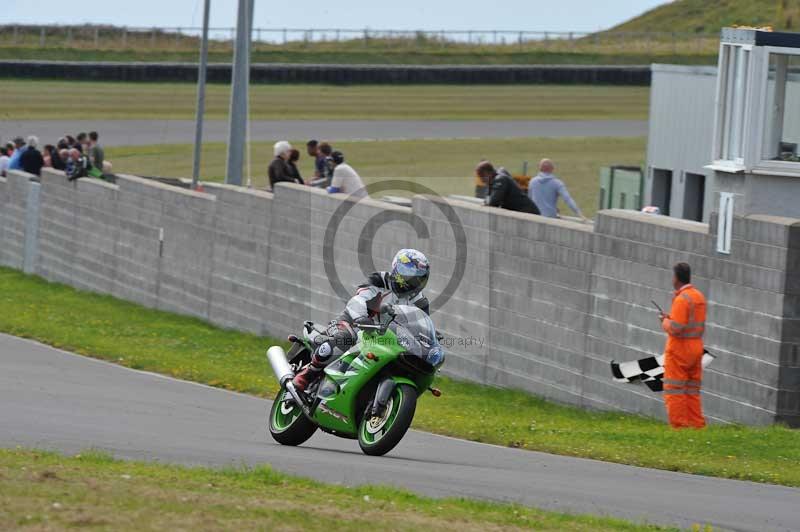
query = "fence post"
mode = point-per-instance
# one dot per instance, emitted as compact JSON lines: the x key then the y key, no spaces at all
{"x":69,"y":34}
{"x":42,"y":32}
{"x":14,"y":33}
{"x":519,"y":39}
{"x":177,"y":37}
{"x":125,"y":36}
{"x":366,"y":37}
{"x":153,"y":38}
{"x":96,"y":37}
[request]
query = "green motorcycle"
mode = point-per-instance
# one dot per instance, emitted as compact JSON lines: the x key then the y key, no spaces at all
{"x":369,"y":393}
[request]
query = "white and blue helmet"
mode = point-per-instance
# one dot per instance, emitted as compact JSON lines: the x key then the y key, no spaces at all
{"x":410,"y":272}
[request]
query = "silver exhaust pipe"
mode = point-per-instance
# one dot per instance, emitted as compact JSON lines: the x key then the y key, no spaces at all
{"x":280,"y":366}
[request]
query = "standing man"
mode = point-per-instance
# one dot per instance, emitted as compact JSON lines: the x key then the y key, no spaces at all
{"x":545,"y":189}
{"x":312,"y":148}
{"x":97,"y":155}
{"x":503,"y":191}
{"x":683,"y":360}
{"x":14,"y":162}
{"x":31,"y":160}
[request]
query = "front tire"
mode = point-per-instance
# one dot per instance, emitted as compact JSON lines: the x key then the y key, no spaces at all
{"x":378,"y":436}
{"x":287,"y":423}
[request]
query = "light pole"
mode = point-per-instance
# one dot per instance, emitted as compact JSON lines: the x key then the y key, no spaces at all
{"x":201,"y":97}
{"x":239,"y":93}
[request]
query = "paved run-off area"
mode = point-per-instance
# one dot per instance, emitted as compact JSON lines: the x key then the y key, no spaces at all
{"x":55,"y":400}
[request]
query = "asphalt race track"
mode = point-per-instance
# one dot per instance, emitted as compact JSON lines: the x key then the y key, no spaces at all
{"x":50,"y":399}
{"x":144,"y":132}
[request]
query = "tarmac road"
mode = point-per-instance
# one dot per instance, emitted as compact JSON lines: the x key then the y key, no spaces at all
{"x":51,"y":399}
{"x":143,"y":132}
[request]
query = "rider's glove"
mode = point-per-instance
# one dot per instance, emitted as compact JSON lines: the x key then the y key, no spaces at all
{"x":387,"y":309}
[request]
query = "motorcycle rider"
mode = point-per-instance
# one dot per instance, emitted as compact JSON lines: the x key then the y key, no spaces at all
{"x":401,"y":286}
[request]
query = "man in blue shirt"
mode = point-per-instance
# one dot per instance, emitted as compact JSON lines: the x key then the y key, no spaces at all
{"x":545,"y":189}
{"x":14,"y":163}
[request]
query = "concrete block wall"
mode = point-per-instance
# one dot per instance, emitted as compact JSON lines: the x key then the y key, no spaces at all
{"x":543,"y":305}
{"x":14,"y":190}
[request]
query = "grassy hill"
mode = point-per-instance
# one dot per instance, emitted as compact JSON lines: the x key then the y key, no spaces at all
{"x":702,"y":16}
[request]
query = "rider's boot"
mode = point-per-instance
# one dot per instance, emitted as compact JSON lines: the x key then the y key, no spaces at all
{"x":308,"y":375}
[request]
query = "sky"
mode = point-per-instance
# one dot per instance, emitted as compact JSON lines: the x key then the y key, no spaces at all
{"x":531,"y":15}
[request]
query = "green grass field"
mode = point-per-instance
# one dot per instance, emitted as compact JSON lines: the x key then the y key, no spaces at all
{"x":446,"y":166}
{"x":49,"y":100}
{"x":681,"y":52}
{"x":46,"y":491}
{"x":190,"y":349}
{"x":702,"y":16}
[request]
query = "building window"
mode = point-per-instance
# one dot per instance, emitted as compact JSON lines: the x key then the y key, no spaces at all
{"x":782,"y":110}
{"x":732,"y":104}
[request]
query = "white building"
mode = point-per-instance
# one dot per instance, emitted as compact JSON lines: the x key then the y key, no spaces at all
{"x":736,"y":134}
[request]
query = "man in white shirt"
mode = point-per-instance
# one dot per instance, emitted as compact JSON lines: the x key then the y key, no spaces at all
{"x":345,"y":179}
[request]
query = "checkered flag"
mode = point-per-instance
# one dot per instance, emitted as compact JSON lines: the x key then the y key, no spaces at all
{"x":648,"y":370}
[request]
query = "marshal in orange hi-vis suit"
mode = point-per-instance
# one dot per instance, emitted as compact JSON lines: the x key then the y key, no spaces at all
{"x":683,"y":369}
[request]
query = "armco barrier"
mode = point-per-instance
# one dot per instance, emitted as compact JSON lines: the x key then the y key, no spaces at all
{"x":334,"y":74}
{"x":544,"y":305}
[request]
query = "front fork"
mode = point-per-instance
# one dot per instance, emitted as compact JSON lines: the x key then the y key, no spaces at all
{"x":382,"y":396}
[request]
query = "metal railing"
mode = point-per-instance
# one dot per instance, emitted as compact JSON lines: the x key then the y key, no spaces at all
{"x":115,"y":37}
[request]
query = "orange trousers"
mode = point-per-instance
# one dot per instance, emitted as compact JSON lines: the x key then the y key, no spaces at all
{"x":683,"y":377}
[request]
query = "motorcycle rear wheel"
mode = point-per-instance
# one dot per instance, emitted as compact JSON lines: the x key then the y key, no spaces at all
{"x":287,"y":423}
{"x":378,"y":436}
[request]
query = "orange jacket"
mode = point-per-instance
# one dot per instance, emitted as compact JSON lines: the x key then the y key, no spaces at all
{"x":686,"y":322}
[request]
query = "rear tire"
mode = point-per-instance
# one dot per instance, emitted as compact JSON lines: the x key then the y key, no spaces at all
{"x":377,"y":437}
{"x":288,"y":425}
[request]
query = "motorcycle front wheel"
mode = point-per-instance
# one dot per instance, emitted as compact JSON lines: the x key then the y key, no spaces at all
{"x":379,"y":435}
{"x":287,"y":423}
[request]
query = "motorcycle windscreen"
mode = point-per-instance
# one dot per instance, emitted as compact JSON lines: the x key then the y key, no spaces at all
{"x":417,"y":335}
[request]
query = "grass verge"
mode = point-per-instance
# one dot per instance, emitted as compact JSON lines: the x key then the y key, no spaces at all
{"x":681,"y":51}
{"x":40,"y":490}
{"x":187,"y":348}
{"x":88,"y":100}
{"x":445,"y":166}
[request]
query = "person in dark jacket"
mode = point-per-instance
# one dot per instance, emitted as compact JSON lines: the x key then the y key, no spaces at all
{"x":503,"y":190}
{"x":31,"y":160}
{"x":279,"y":168}
{"x":291,"y":163}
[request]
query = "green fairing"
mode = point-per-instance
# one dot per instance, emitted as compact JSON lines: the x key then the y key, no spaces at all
{"x":360,"y":370}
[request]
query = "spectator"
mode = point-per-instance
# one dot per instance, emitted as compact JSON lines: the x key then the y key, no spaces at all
{"x":32,"y":160}
{"x":291,"y":164}
{"x":71,"y":142}
{"x":10,"y":148}
{"x":504,"y":192}
{"x":279,"y":168}
{"x":19,"y":148}
{"x":4,"y":161}
{"x":47,"y":155}
{"x":545,"y":189}
{"x":326,"y":150}
{"x":51,"y":153}
{"x":312,"y":148}
{"x":63,"y":156}
{"x":97,"y":154}
{"x":345,"y":179}
{"x":78,"y":165}
{"x":82,"y":143}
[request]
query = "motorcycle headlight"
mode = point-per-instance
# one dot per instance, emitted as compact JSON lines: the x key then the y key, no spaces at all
{"x":435,"y":356}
